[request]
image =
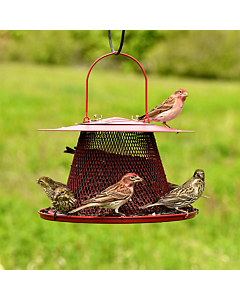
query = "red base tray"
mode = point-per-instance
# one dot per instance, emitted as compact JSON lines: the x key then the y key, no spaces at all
{"x":115,"y":220}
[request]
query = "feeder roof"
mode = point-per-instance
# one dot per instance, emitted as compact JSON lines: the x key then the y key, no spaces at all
{"x":116,"y":124}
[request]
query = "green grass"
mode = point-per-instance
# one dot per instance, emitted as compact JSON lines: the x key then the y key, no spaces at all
{"x":34,"y":97}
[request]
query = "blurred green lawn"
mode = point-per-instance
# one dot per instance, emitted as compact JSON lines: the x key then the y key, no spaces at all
{"x":34,"y":97}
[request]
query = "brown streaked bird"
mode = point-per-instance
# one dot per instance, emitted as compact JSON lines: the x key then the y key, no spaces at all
{"x":114,"y":196}
{"x":169,"y":109}
{"x":49,"y":185}
{"x":182,"y":196}
{"x":70,"y":150}
{"x":199,"y":173}
{"x":63,"y":200}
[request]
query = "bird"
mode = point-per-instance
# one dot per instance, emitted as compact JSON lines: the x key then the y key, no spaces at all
{"x":199,"y":173}
{"x":63,"y":200}
{"x":182,"y":196}
{"x":70,"y":150}
{"x":114,"y":196}
{"x":49,"y":185}
{"x":168,"y":109}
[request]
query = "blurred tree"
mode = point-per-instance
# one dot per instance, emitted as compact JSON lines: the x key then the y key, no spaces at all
{"x":209,"y":54}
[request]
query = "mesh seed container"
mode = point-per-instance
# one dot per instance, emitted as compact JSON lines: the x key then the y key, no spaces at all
{"x":106,"y":150}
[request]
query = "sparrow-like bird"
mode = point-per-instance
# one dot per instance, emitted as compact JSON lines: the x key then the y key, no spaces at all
{"x":49,"y":185}
{"x":70,"y":150}
{"x":114,"y":196}
{"x":197,"y":174}
{"x":182,"y":196}
{"x":168,"y":109}
{"x":63,"y":200}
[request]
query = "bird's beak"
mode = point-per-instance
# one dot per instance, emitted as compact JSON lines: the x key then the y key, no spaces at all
{"x":185,"y":94}
{"x":139,"y":179}
{"x":38,"y":181}
{"x":57,"y":194}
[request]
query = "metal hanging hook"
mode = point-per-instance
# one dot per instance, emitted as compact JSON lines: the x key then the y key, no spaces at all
{"x":121,"y":43}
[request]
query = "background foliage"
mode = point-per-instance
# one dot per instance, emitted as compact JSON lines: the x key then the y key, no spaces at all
{"x":42,"y":96}
{"x":207,"y":54}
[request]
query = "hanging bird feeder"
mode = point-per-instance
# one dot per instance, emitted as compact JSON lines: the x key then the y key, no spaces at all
{"x":106,"y":150}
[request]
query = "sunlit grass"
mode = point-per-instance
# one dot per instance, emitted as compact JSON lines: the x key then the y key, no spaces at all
{"x":43,"y":97}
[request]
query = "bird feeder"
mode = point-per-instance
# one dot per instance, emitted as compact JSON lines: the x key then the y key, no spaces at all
{"x":106,"y":150}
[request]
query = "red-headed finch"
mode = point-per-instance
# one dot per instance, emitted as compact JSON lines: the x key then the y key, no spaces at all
{"x":49,"y":185}
{"x":197,"y":174}
{"x":63,"y":200}
{"x":182,"y":196}
{"x":114,"y":196}
{"x":168,"y":109}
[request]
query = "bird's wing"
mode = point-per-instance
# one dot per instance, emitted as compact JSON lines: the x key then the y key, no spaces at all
{"x":112,"y":193}
{"x":164,"y":106}
{"x":178,"y":194}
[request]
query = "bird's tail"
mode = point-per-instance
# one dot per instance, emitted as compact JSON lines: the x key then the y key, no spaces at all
{"x":81,"y":207}
{"x":141,"y":118}
{"x":69,"y":150}
{"x":148,"y":205}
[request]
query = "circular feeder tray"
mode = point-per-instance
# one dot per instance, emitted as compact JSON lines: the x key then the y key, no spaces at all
{"x":47,"y":214}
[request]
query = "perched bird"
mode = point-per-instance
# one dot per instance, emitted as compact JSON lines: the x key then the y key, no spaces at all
{"x":182,"y":196}
{"x":114,"y":196}
{"x":168,"y":109}
{"x":63,"y":200}
{"x":70,"y":150}
{"x":197,"y":174}
{"x":49,"y":185}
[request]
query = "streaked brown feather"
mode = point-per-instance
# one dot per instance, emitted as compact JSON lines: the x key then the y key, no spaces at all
{"x":112,"y":193}
{"x":164,"y":106}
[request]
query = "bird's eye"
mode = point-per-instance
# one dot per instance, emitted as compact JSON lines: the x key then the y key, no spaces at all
{"x":63,"y":192}
{"x":132,"y":177}
{"x":180,"y":92}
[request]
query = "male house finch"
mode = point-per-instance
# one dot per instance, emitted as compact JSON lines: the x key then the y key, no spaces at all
{"x":181,"y":196}
{"x":49,"y":185}
{"x":63,"y":200}
{"x":114,"y":196}
{"x":168,"y":109}
{"x":197,"y":174}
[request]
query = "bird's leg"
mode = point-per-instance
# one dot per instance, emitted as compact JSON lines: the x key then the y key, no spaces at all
{"x":191,"y":207}
{"x":185,"y":211}
{"x":166,"y":125}
{"x":54,"y":215}
{"x":119,"y":213}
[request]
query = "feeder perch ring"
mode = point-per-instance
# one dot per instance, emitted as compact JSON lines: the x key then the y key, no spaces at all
{"x":47,"y":214}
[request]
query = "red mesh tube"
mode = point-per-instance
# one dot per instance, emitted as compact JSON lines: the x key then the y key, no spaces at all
{"x":102,"y":158}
